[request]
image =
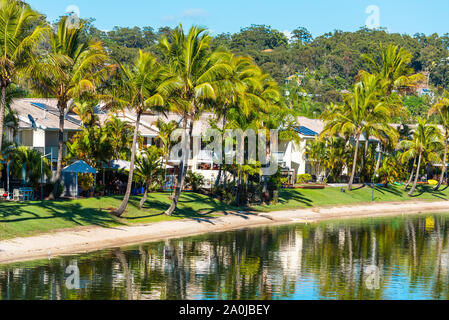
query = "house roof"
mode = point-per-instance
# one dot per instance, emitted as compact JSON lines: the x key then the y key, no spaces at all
{"x":42,"y":113}
{"x":310,"y":127}
{"x":307,"y":132}
{"x":45,"y":114}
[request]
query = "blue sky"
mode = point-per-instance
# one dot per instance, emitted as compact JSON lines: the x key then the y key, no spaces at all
{"x":319,"y":16}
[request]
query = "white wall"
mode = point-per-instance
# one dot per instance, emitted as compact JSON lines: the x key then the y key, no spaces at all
{"x":302,"y":162}
{"x":39,"y":138}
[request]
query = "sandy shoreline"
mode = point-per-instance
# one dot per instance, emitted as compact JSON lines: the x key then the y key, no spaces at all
{"x":97,"y":238}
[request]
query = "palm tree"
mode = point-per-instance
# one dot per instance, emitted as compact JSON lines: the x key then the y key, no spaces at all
{"x":316,"y":152}
{"x":67,"y":71}
{"x":393,"y":69}
{"x":195,"y":73}
{"x":235,"y":88}
{"x":441,"y":108}
{"x":165,"y":132}
{"x":30,"y":159}
{"x":361,"y":112}
{"x":85,"y":110}
{"x":142,"y":90}
{"x":21,"y":31}
{"x":425,"y":144}
{"x":148,"y":170}
{"x":92,"y":144}
{"x":120,"y":134}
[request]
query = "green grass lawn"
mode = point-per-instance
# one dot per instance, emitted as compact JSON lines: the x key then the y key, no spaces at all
{"x":26,"y":219}
{"x":301,"y":198}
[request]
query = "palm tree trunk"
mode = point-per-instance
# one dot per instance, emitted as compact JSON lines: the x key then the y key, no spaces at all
{"x":145,"y":196}
{"x":55,"y":194}
{"x":362,"y":165}
{"x":2,"y":114}
{"x":443,"y":171}
{"x":217,"y":182}
{"x":183,"y":166}
{"x":354,"y":165}
{"x":411,"y":175}
{"x":416,"y":176}
{"x":239,"y":183}
{"x":378,"y":161}
{"x":119,"y":212}
{"x":122,"y":258}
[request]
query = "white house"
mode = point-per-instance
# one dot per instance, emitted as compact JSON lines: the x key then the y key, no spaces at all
{"x":39,"y":125}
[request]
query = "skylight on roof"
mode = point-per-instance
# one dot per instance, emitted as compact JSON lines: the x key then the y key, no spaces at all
{"x":39,"y":105}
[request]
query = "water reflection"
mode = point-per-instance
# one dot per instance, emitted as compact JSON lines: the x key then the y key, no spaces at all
{"x":398,"y":258}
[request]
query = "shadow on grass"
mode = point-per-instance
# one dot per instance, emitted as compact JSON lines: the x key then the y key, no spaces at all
{"x":286,"y":196}
{"x":394,"y":191}
{"x":291,"y":197}
{"x":190,"y":206}
{"x":66,"y":210}
{"x":429,"y":190}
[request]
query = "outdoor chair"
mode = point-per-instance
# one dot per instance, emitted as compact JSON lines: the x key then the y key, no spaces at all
{"x":2,"y":194}
{"x":27,"y":194}
{"x":16,"y":195}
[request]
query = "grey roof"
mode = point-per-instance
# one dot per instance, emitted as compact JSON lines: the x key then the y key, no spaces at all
{"x":147,"y":122}
{"x":44,"y":112}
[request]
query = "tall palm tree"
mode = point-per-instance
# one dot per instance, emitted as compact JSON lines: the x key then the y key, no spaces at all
{"x":441,"y":109}
{"x":68,"y":70}
{"x":235,"y":90}
{"x":148,"y":170}
{"x":393,"y":68}
{"x":141,"y":90}
{"x":361,"y":112}
{"x":195,"y":71}
{"x":426,"y":143}
{"x":21,"y":31}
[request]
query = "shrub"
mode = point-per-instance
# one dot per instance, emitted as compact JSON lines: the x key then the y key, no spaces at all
{"x":48,"y":188}
{"x":100,"y":188}
{"x":86,"y":181}
{"x":225,"y":194}
{"x":303,"y":178}
{"x":194,"y":181}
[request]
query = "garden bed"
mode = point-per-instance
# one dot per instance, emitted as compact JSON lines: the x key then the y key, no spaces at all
{"x":310,"y":186}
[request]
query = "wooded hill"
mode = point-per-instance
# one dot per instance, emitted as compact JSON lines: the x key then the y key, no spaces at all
{"x":330,"y":61}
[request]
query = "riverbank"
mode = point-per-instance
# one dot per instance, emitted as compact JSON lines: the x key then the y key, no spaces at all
{"x":32,"y":219}
{"x":85,"y":239}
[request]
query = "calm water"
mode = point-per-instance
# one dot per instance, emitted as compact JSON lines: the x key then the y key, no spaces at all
{"x":398,"y":258}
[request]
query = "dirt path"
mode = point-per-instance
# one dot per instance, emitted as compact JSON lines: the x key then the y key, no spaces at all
{"x":96,"y":238}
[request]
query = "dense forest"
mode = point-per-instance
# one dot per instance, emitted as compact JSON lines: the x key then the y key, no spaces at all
{"x":333,"y":59}
{"x":324,"y":66}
